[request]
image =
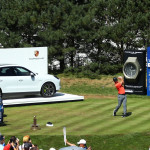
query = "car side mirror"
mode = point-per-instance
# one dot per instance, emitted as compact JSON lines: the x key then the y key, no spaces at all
{"x":32,"y":74}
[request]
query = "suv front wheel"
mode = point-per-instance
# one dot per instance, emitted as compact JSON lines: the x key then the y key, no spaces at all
{"x":48,"y":89}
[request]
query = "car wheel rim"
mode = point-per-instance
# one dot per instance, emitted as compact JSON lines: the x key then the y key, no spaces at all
{"x":48,"y":89}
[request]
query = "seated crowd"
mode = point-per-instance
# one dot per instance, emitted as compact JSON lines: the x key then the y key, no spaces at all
{"x":13,"y":144}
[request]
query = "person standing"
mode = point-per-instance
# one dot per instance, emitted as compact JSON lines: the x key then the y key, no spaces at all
{"x":122,"y":98}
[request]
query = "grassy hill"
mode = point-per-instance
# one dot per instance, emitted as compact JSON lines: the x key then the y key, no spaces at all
{"x":90,"y":119}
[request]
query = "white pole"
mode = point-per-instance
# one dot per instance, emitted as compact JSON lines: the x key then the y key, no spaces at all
{"x":64,"y":132}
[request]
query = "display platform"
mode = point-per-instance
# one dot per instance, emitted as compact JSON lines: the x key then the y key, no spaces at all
{"x":58,"y":97}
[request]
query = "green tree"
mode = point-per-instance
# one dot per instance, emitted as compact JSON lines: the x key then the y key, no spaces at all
{"x":100,"y":29}
{"x":95,"y":31}
{"x":19,"y":23}
{"x":128,"y":23}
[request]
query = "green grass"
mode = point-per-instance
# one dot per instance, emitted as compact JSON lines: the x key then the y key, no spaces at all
{"x":135,"y":141}
{"x":105,"y":86}
{"x":90,"y":119}
{"x":83,"y":89}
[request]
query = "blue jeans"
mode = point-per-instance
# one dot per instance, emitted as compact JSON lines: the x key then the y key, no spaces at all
{"x":122,"y":99}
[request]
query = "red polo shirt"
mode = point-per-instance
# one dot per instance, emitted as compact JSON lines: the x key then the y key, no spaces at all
{"x":120,"y":88}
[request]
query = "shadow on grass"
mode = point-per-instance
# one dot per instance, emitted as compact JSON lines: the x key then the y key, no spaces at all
{"x":4,"y":115}
{"x":128,"y":114}
{"x":4,"y":124}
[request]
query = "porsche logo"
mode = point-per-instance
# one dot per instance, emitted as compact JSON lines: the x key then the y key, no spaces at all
{"x":36,"y":53}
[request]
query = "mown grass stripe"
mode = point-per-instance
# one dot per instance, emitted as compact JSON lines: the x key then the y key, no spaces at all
{"x":92,"y":115}
{"x":78,"y":120}
{"x":94,"y":121}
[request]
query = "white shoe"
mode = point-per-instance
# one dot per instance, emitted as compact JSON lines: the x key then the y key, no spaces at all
{"x":114,"y":113}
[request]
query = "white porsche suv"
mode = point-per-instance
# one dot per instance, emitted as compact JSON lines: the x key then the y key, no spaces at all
{"x":20,"y":80}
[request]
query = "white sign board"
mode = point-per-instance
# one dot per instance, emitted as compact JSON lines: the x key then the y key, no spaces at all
{"x":33,"y":58}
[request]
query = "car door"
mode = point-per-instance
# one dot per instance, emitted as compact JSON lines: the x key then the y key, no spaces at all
{"x":8,"y":80}
{"x":26,"y":81}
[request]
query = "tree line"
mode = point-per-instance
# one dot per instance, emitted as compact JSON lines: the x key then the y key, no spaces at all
{"x":101,"y":29}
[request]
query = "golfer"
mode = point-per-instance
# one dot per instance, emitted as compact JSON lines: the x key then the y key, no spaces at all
{"x":121,"y":96}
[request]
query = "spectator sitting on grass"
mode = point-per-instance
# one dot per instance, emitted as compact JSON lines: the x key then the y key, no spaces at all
{"x":2,"y":142}
{"x":8,"y":147}
{"x":13,"y":144}
{"x":81,"y":143}
{"x":27,"y":143}
{"x":27,"y":146}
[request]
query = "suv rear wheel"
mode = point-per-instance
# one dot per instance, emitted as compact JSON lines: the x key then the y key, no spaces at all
{"x":48,"y":89}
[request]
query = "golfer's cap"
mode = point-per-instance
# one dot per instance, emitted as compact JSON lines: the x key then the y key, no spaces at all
{"x":52,"y":149}
{"x":115,"y":79}
{"x":82,"y":141}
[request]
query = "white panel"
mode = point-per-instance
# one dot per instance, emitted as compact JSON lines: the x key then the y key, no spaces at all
{"x":58,"y":97}
{"x":26,"y":57}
